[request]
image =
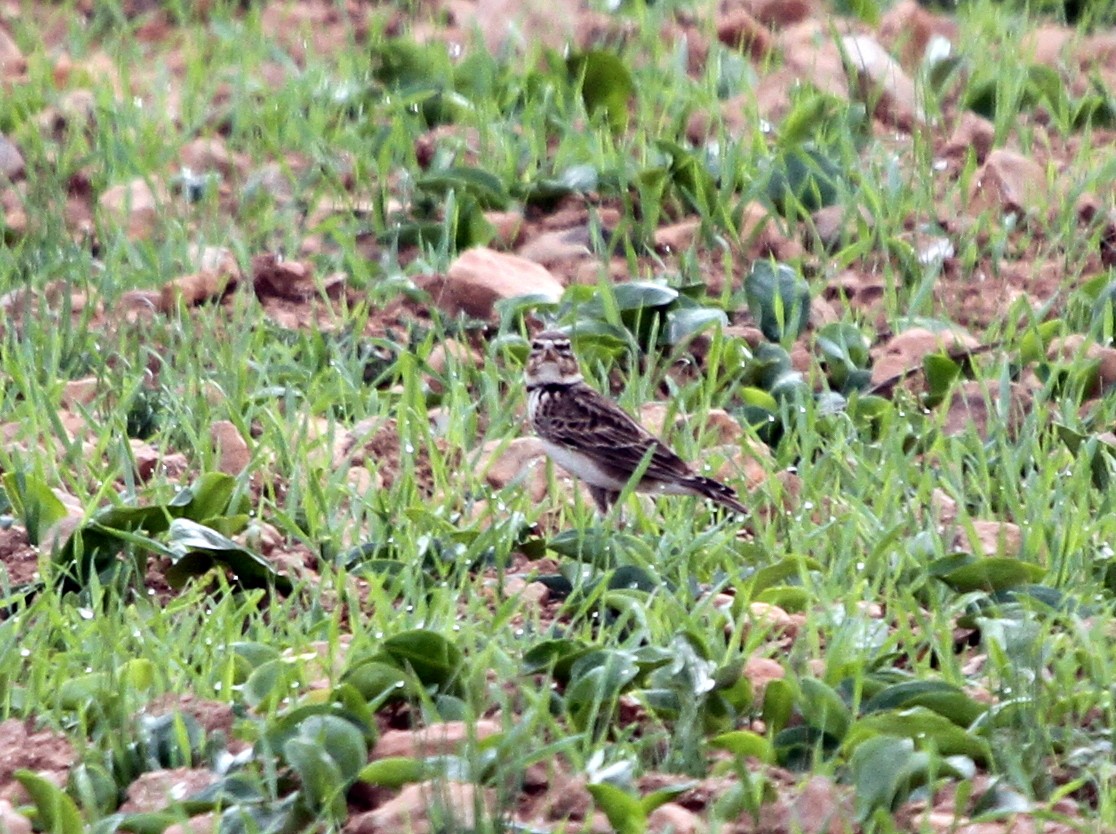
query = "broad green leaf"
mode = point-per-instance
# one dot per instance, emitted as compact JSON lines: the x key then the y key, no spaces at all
{"x":803,"y":178}
{"x":92,"y":785}
{"x":434,"y":659}
{"x":823,"y":709}
{"x":790,"y":598}
{"x":624,"y":811}
{"x":758,"y":398}
{"x":941,"y":371}
{"x":149,"y":822}
{"x":340,"y":739}
{"x":778,"y":298}
{"x":683,"y":324}
{"x":393,"y":772}
{"x":57,"y":813}
{"x":34,"y":502}
{"x":923,"y":726}
{"x":377,"y":681}
{"x":880,"y":768}
{"x":778,"y":704}
{"x":323,"y":783}
{"x":941,"y":697}
{"x":79,"y":691}
{"x":198,"y":548}
{"x":655,"y":799}
{"x":138,"y":673}
{"x":209,"y":496}
{"x":605,"y":84}
{"x":556,"y":656}
{"x":743,"y":744}
{"x":269,"y":684}
{"x":172,"y":739}
{"x":992,"y":574}
{"x":486,"y":188}
{"x":611,"y":670}
{"x":789,"y":567}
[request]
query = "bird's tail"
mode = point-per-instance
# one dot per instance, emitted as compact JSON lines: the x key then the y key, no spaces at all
{"x":723,"y":495}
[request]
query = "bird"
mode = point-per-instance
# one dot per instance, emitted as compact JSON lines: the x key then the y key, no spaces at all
{"x":595,"y":440}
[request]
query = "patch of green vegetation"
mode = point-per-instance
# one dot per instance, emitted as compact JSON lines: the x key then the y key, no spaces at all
{"x":914,"y":654}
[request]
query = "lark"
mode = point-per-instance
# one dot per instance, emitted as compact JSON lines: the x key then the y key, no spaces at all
{"x":593,"y":439}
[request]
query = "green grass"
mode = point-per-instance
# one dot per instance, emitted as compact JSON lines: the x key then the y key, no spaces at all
{"x":407,"y":603}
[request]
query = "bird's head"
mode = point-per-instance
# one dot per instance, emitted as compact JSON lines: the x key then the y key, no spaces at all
{"x":552,"y":361}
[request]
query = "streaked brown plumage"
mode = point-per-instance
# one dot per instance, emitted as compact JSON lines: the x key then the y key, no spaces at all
{"x":592,"y":438}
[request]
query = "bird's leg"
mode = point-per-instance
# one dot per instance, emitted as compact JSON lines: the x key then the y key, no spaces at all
{"x":603,"y":498}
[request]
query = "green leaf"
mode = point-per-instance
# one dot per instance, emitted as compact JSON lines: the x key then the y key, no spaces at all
{"x":941,"y":371}
{"x":269,"y":684}
{"x":624,"y":811}
{"x":434,"y":660}
{"x":992,"y":574}
{"x":57,"y":813}
{"x":802,"y":178}
{"x":35,"y":503}
{"x":745,"y":744}
{"x":683,"y":324}
{"x":555,"y":656}
{"x":486,"y":188}
{"x":789,"y":567}
{"x":778,"y":298}
{"x":323,"y":784}
{"x":198,"y":548}
{"x":377,"y":681}
{"x":662,"y":796}
{"x":823,"y":709}
{"x":393,"y":772}
{"x":209,"y":496}
{"x":880,"y":768}
{"x":605,"y":84}
{"x":778,"y":704}
{"x":596,"y":681}
{"x":758,"y":398}
{"x":77,"y":692}
{"x":923,"y":726}
{"x":340,"y":739}
{"x":943,"y":698}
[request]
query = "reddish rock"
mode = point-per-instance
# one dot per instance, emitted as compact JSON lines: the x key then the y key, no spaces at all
{"x":12,"y":62}
{"x":233,"y":455}
{"x":1046,"y":44}
{"x":135,"y":205}
{"x":993,"y":538}
{"x":781,"y":13}
{"x":437,"y":805}
{"x":435,"y":740}
{"x":156,"y":789}
{"x":449,"y":354}
{"x":11,"y":160}
{"x":480,"y":277}
{"x":11,"y":821}
{"x":677,"y":237}
{"x":883,"y":82}
{"x":503,"y":462}
{"x":740,"y":30}
{"x":971,"y":131}
{"x":193,"y":290}
{"x":1009,"y":181}
{"x":201,"y":155}
{"x":672,"y":818}
{"x":905,"y":350}
{"x":907,"y":30}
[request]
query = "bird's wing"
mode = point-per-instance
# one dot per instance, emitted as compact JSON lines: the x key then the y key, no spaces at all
{"x":590,"y":423}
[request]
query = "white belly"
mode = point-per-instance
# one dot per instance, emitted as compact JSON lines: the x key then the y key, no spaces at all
{"x":582,"y":466}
